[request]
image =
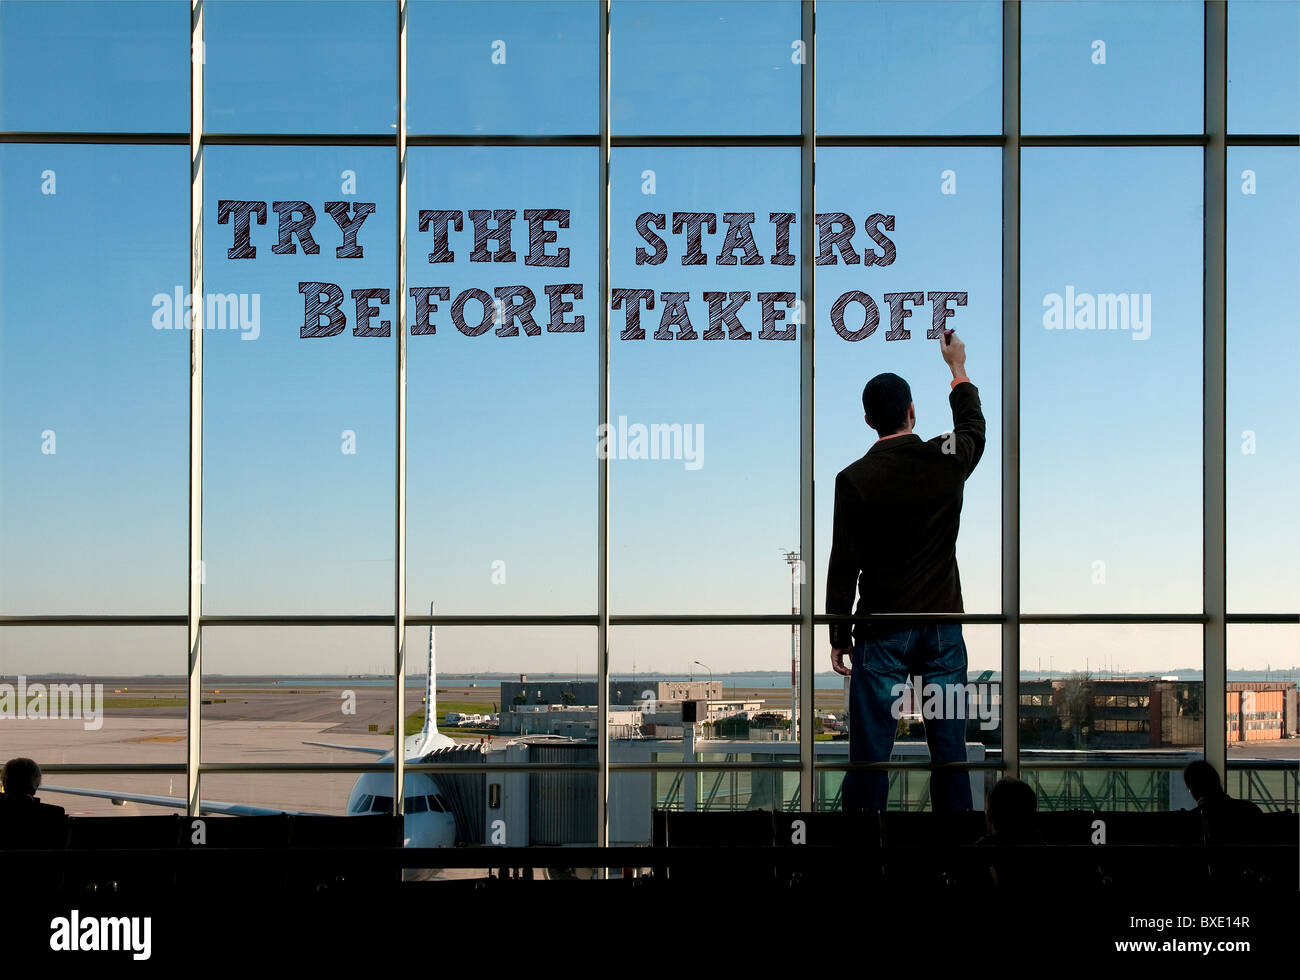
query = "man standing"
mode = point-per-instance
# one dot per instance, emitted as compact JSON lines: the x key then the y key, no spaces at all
{"x":897,"y":511}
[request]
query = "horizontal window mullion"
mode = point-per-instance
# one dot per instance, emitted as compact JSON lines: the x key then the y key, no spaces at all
{"x":299,"y":139}
{"x":648,"y":619}
{"x":166,"y":139}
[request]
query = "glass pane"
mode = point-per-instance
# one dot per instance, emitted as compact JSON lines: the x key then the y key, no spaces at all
{"x":267,"y":691}
{"x":741,"y":678}
{"x":1100,"y":67}
{"x":298,"y":66}
{"x":93,"y":66}
{"x":704,"y":67}
{"x":635,"y":796}
{"x":93,"y":694}
{"x":1109,"y":790}
{"x":513,"y":695}
{"x":704,"y":438}
{"x":740,"y":684}
{"x":934,"y":67}
{"x":503,"y":67}
{"x":1263,"y":403}
{"x":1110,"y":430}
{"x":501,"y":485}
{"x":299,"y":458}
{"x":1107,"y":692}
{"x":94,"y":379}
{"x":498,"y":684}
{"x":1263,"y":66}
{"x":326,"y":794}
{"x":939,"y":212}
{"x":1261,"y":705}
{"x":115,"y":795}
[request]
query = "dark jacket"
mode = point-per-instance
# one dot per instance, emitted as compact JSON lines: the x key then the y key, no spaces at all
{"x":897,"y":512}
{"x":27,"y":823}
{"x":1227,"y":820}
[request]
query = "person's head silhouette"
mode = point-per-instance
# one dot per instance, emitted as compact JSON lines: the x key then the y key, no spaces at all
{"x":887,"y":402}
{"x":1202,"y":780}
{"x":21,"y":777}
{"x":1010,"y":810}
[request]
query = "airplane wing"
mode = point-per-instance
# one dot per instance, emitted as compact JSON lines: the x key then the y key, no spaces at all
{"x":370,"y":750}
{"x":206,"y":807}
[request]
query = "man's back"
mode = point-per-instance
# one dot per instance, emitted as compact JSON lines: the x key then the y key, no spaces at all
{"x":1228,"y":820}
{"x":26,"y":822}
{"x":897,"y":513}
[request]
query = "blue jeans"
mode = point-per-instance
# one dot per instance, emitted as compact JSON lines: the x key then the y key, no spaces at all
{"x":882,"y":663}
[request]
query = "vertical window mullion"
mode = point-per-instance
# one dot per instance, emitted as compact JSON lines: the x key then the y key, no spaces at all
{"x":807,"y":211}
{"x":1214,"y":360}
{"x":399,"y":543}
{"x":602,"y":461}
{"x":193,"y":727}
{"x":1011,"y":388}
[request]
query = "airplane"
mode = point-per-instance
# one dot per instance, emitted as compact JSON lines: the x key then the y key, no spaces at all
{"x":428,"y":821}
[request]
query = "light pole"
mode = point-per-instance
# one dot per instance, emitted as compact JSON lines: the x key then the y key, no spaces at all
{"x":796,"y":567}
{"x":710,"y":670}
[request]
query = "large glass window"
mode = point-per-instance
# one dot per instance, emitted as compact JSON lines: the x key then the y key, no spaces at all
{"x":506,"y":486}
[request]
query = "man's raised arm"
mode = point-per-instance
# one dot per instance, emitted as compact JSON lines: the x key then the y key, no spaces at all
{"x":967,"y":417}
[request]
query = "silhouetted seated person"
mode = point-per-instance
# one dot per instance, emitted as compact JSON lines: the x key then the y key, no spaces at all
{"x":25,"y":822}
{"x":1010,"y":812}
{"x":1224,"y":820}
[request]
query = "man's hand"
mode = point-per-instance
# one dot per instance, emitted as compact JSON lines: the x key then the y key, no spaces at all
{"x":954,"y":353}
{"x":838,"y":655}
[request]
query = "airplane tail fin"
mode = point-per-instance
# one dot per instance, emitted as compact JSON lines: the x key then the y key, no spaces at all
{"x":429,"y":738}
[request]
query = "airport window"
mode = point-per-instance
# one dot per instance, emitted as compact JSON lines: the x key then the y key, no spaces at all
{"x":562,"y":480}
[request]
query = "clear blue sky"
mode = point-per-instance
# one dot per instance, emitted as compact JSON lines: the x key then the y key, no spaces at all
{"x":502,"y":430}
